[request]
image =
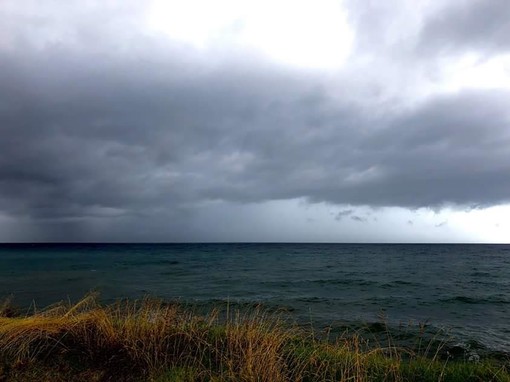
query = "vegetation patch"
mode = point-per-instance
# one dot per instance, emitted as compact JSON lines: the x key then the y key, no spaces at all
{"x":150,"y":340}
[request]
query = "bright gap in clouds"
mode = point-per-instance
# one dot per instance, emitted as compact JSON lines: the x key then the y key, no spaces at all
{"x":490,"y":225}
{"x":472,"y":71}
{"x":296,"y":220}
{"x":305,"y":33}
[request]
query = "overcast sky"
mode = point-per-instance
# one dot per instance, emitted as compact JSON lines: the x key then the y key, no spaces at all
{"x":263,"y":120}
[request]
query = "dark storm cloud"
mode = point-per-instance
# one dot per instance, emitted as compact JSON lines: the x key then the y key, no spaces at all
{"x":137,"y":143}
{"x":103,"y":132}
{"x":482,"y":25}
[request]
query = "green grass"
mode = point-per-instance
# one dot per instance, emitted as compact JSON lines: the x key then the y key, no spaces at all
{"x":149,"y":340}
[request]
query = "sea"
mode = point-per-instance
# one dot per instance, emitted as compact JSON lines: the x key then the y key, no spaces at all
{"x":458,"y":290}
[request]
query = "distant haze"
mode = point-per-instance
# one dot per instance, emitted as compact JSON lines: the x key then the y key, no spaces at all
{"x":232,"y":120}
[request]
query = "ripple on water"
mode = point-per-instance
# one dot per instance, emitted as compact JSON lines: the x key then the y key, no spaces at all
{"x":494,"y":299}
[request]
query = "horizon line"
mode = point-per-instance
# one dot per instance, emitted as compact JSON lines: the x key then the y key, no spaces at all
{"x":238,"y":242}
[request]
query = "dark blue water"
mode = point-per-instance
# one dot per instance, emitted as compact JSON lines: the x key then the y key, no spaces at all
{"x":463,"y":288}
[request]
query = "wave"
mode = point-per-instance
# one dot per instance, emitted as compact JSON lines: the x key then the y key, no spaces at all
{"x":345,"y":282}
{"x":313,"y":299}
{"x":483,"y":274}
{"x":357,"y":282}
{"x":399,"y":283}
{"x":495,"y":299}
{"x":138,"y":263}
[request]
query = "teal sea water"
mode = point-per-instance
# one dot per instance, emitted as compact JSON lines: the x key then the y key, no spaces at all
{"x":463,"y":288}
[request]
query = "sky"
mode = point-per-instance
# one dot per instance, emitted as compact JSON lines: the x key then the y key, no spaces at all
{"x":255,"y":120}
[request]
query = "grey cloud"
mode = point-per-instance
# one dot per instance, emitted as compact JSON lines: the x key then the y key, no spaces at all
{"x":342,"y":214}
{"x":359,"y":219}
{"x":153,"y":132}
{"x":482,"y":25}
{"x":138,"y":143}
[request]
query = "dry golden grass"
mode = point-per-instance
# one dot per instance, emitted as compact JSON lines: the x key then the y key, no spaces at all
{"x":151,"y":340}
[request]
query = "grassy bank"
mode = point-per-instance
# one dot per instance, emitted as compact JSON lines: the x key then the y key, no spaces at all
{"x":152,"y":341}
